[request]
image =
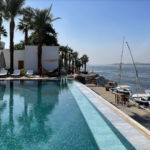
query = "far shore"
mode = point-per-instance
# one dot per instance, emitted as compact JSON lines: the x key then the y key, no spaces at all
{"x":131,"y":64}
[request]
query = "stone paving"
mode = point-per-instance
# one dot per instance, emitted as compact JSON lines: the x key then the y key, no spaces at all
{"x":138,"y":140}
{"x":140,"y":115}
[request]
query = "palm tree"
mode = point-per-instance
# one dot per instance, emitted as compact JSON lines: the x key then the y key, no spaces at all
{"x":85,"y":60}
{"x":78,"y":64}
{"x":70,"y":53}
{"x":82,"y":61}
{"x":3,"y":32}
{"x":66,"y":52}
{"x":13,"y":8}
{"x":2,"y":15}
{"x":75,"y":56}
{"x":39,"y":19}
{"x":61,"y":49}
{"x":24,"y":27}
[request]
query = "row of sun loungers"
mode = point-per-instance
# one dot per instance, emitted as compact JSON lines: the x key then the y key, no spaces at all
{"x":16,"y":73}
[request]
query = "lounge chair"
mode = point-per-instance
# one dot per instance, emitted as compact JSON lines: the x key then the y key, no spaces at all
{"x":29,"y":73}
{"x":3,"y":73}
{"x":16,"y":73}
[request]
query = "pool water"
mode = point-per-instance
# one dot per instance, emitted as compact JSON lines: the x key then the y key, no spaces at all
{"x":41,"y":115}
{"x":53,"y":115}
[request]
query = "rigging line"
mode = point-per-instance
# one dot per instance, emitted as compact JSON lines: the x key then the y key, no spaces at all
{"x":135,"y":68}
{"x":121,"y":61}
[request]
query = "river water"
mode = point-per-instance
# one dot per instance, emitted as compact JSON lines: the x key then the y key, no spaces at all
{"x":111,"y":72}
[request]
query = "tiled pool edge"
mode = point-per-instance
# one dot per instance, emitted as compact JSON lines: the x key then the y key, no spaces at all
{"x":145,"y":144}
{"x":101,"y":131}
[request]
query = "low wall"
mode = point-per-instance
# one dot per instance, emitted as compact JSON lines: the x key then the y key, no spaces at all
{"x":48,"y":53}
{"x":18,"y":55}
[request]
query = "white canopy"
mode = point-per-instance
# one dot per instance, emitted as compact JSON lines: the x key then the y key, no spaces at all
{"x":142,"y":95}
{"x":123,"y":86}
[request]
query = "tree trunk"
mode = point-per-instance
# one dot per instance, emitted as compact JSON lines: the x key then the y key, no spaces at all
{"x":85,"y":66}
{"x":72,"y":66}
{"x":62,"y":58}
{"x":12,"y":26}
{"x":69,"y":61}
{"x":75,"y":65}
{"x":26,"y":36}
{"x":11,"y":103}
{"x":65,"y":60}
{"x":40,"y":36}
{"x":0,"y":26}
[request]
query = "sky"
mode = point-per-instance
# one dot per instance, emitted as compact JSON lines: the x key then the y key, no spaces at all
{"x":97,"y":27}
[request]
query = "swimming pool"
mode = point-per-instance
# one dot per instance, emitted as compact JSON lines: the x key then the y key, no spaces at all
{"x":48,"y":114}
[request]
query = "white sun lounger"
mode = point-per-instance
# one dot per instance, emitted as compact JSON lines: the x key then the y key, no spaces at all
{"x":3,"y":72}
{"x":16,"y":73}
{"x":29,"y":73}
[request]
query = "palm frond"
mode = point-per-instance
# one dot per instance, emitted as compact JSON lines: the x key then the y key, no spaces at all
{"x":3,"y":31}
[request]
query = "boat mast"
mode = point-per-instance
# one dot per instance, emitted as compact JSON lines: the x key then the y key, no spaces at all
{"x":135,"y":68}
{"x":121,"y":62}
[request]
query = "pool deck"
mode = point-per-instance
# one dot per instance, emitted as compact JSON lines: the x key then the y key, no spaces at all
{"x":36,"y":77}
{"x":140,"y":140}
{"x":142,"y":115}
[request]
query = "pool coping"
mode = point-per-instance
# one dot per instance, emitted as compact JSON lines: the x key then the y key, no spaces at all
{"x":142,"y":143}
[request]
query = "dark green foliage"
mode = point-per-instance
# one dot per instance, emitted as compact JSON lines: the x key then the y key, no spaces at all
{"x":3,"y":31}
{"x":19,"y":46}
{"x":49,"y":38}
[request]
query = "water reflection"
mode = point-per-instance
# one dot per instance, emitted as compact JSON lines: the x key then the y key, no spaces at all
{"x":31,"y":121}
{"x":41,"y":115}
{"x":2,"y":89}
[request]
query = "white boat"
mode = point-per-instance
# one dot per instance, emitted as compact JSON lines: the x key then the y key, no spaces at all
{"x":123,"y":89}
{"x":142,"y":98}
{"x":147,"y":92}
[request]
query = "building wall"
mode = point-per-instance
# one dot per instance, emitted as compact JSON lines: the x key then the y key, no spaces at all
{"x":30,"y":57}
{"x":48,"y":52}
{"x":18,"y":55}
{"x":2,"y":45}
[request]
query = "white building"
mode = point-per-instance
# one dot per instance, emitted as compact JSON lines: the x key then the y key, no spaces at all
{"x":28,"y":58}
{"x":2,"y":45}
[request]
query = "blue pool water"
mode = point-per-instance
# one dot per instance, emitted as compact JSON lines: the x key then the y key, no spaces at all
{"x":41,"y":115}
{"x":49,"y":115}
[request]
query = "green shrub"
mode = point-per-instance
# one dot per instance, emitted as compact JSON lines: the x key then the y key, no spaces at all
{"x":23,"y":71}
{"x":8,"y":69}
{"x":92,"y":78}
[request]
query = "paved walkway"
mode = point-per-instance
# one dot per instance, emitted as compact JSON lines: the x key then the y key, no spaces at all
{"x":140,"y":115}
{"x":137,"y":139}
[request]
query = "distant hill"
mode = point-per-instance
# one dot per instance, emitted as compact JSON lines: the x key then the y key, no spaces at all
{"x":130,"y":64}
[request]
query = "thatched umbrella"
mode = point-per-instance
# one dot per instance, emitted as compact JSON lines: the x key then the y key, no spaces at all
{"x":2,"y":61}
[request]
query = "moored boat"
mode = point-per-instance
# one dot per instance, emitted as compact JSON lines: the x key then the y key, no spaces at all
{"x":141,"y":98}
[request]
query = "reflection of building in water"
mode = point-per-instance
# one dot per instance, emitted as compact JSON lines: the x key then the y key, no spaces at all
{"x":2,"y":89}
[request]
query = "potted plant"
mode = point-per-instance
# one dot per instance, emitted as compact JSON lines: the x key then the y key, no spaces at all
{"x":23,"y":71}
{"x":106,"y":88}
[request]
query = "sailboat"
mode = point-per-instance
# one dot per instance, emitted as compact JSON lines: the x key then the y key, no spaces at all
{"x":140,"y":98}
{"x":122,"y":88}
